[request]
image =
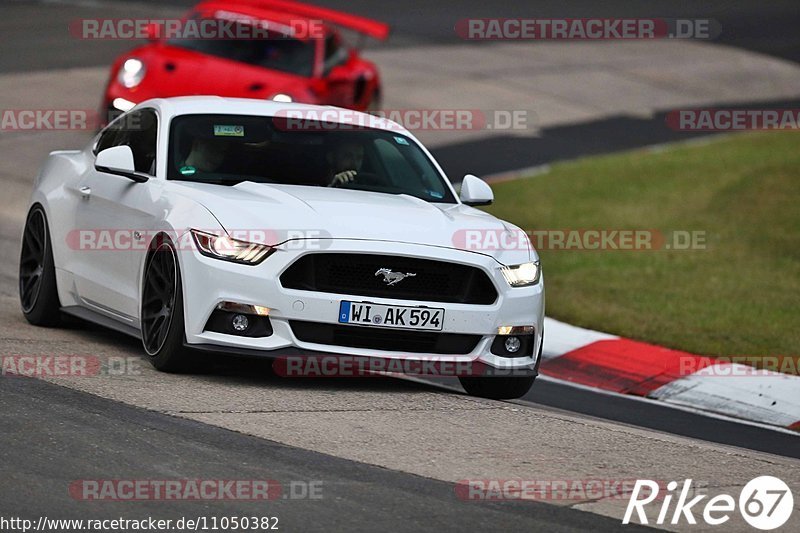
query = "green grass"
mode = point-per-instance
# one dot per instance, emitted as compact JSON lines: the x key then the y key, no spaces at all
{"x":739,"y":296}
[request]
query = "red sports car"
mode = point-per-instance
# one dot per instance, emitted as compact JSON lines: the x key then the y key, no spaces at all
{"x":268,"y":49}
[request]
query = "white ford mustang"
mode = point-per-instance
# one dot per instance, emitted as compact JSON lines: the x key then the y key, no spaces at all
{"x":241,"y":226}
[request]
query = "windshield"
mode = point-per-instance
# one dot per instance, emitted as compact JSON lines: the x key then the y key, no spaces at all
{"x":279,"y":53}
{"x":229,"y":149}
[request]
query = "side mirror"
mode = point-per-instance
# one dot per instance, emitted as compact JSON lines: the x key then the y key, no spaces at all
{"x":475,"y":191}
{"x":118,"y":160}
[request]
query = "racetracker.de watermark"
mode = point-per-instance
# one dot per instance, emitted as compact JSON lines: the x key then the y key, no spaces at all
{"x":429,"y":365}
{"x":68,"y":366}
{"x":49,"y":120}
{"x":322,"y":120}
{"x":585,"y":29}
{"x":543,"y":489}
{"x":733,"y":119}
{"x":194,"y":489}
{"x":224,"y":26}
{"x":130,"y":239}
{"x":599,"y":239}
{"x":740,"y":366}
{"x":44,"y":119}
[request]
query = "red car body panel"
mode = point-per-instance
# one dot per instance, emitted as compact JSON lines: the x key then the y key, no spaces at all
{"x":173,"y":70}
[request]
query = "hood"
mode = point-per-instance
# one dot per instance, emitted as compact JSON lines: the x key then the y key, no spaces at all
{"x":287,"y":212}
{"x":175,"y":71}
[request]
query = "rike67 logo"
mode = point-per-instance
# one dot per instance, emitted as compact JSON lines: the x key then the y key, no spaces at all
{"x":765,"y":503}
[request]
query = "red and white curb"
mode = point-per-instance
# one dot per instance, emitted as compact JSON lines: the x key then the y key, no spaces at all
{"x":602,"y":361}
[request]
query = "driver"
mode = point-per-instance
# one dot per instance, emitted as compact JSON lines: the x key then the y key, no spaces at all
{"x":206,"y":155}
{"x":344,"y":162}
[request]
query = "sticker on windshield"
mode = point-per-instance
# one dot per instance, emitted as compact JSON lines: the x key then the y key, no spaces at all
{"x":436,"y":194}
{"x":221,"y":130}
{"x":401,"y":140}
{"x":187,"y":170}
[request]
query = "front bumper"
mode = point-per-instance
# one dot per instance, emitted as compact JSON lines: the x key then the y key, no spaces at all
{"x":207,"y":282}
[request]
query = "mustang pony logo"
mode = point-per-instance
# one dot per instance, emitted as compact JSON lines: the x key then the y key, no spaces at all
{"x":392,"y":278}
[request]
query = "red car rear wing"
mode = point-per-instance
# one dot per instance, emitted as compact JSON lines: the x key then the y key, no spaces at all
{"x":363,"y":25}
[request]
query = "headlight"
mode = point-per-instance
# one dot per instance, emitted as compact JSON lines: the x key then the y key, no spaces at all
{"x":280,"y":97}
{"x":227,"y":249}
{"x":131,"y":73}
{"x":522,"y":275}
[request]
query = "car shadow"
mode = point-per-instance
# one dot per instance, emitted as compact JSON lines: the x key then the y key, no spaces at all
{"x":236,"y":369}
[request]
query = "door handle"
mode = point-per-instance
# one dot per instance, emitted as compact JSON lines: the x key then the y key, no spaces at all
{"x":86,"y":192}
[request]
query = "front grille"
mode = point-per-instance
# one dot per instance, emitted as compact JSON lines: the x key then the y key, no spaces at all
{"x":384,"y":339}
{"x":435,"y":281}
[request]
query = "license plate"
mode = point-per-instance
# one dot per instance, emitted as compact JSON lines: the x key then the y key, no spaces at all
{"x":391,"y":316}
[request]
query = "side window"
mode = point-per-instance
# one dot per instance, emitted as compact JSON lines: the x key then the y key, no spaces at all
{"x":139,"y":130}
{"x":335,"y":53}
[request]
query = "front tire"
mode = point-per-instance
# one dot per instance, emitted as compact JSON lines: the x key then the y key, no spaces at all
{"x":38,"y":292}
{"x":502,"y":388}
{"x":498,"y":388}
{"x":162,"y":311}
{"x":375,"y":103}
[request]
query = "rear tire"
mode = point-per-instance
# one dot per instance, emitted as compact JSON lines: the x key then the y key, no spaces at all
{"x":38,"y":292}
{"x":162,"y":311}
